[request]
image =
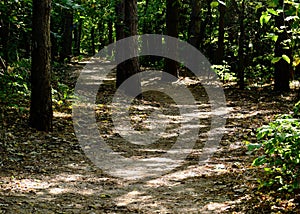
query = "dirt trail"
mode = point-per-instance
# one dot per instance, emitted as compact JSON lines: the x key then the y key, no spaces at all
{"x":49,"y":173}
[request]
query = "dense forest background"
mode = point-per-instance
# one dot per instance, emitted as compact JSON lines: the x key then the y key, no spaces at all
{"x":253,"y":46}
{"x":245,"y":40}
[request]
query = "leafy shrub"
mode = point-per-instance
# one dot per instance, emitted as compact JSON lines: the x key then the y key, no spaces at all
{"x":297,"y":110}
{"x":61,"y":94}
{"x":15,"y":83}
{"x":223,"y":72}
{"x":280,"y":142}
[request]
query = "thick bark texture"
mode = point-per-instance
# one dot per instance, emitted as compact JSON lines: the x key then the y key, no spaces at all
{"x":77,"y":37}
{"x":41,"y":102}
{"x":66,"y":46}
{"x":172,"y":20}
{"x":127,"y":14}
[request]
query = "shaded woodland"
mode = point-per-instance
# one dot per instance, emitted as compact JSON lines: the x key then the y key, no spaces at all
{"x":254,"y":49}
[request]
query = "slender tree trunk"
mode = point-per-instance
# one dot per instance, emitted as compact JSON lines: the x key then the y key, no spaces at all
{"x":120,"y":12}
{"x":209,"y":50}
{"x":93,"y":40}
{"x":102,"y":30}
{"x":110,"y":32}
{"x":220,"y":50}
{"x":241,"y":65}
{"x":41,"y":102}
{"x":195,"y":24}
{"x":66,"y":45}
{"x":54,"y":46}
{"x":171,"y":66}
{"x":77,"y":37}
{"x":282,"y":67}
{"x":27,"y":37}
{"x":131,"y":66}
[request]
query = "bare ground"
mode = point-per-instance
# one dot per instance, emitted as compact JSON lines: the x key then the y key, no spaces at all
{"x":50,"y":173}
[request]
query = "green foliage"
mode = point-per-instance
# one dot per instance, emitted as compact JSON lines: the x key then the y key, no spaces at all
{"x":15,"y":28}
{"x":296,"y":110}
{"x":224,"y":73}
{"x":280,"y":142}
{"x":15,"y":83}
{"x":62,"y":93}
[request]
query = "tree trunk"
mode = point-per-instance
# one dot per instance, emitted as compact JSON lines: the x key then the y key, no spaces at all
{"x":54,"y":46}
{"x":77,"y":37}
{"x":195,"y":24}
{"x":120,"y":12}
{"x":209,"y":32}
{"x":110,"y":32}
{"x":220,"y":50}
{"x":41,"y":102}
{"x":93,"y":40}
{"x":66,"y":45}
{"x":127,"y":10}
{"x":171,"y":66}
{"x":241,"y":66}
{"x":282,"y":67}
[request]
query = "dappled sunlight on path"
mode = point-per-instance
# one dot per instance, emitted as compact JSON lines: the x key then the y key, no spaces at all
{"x":49,"y":173}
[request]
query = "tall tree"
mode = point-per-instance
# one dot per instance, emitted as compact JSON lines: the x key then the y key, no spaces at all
{"x":66,"y":46}
{"x":77,"y":37}
{"x":110,"y":31}
{"x":127,"y":13}
{"x":172,"y":17}
{"x":220,"y":49}
{"x":241,"y":58}
{"x":282,"y":67}
{"x":41,"y":101}
{"x":195,"y":23}
{"x":93,"y":40}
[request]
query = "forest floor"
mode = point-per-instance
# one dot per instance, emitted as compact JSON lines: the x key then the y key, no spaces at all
{"x":49,"y":172}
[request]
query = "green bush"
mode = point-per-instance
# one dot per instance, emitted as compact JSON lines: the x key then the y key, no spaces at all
{"x":15,"y":82}
{"x":280,"y":142}
{"x":224,"y":73}
{"x":297,"y":110}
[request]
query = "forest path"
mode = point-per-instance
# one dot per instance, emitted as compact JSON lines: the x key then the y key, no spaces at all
{"x":49,"y":173}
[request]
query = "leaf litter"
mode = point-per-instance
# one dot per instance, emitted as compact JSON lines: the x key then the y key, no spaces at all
{"x":49,"y":172}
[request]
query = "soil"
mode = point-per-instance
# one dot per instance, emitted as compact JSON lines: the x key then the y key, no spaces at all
{"x":50,"y":173}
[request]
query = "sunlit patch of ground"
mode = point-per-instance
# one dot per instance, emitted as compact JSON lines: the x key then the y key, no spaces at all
{"x":49,"y":172}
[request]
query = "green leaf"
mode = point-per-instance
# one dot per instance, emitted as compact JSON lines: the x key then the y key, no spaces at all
{"x":286,"y":58}
{"x":273,"y":3}
{"x":105,"y":196}
{"x":272,"y":11}
{"x":275,"y":60}
{"x":264,"y":19}
{"x":268,"y":169}
{"x":214,"y":4}
{"x":253,"y":146}
{"x":274,"y":38}
{"x":259,"y":161}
